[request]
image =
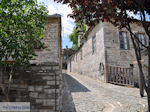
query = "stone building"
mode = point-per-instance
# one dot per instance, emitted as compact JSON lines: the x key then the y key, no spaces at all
{"x":106,"y":53}
{"x":66,"y":53}
{"x":41,"y":85}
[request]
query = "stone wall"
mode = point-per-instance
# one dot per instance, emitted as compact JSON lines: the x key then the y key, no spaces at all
{"x":40,"y":85}
{"x":107,"y":51}
{"x":116,"y":56}
{"x":85,"y":61}
{"x":52,"y":41}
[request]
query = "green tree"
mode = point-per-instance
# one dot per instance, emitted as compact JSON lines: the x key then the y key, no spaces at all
{"x":74,"y":35}
{"x":22,"y":24}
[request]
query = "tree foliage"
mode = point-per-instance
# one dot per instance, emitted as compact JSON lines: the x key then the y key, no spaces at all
{"x":22,"y":24}
{"x":98,"y":10}
{"x":117,"y":13}
{"x":74,"y":39}
{"x":74,"y":35}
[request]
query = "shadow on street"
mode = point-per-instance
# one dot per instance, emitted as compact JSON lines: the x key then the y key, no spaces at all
{"x":70,"y":85}
{"x":74,"y":85}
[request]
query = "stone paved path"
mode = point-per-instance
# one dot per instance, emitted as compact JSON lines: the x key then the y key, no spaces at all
{"x":88,"y":95}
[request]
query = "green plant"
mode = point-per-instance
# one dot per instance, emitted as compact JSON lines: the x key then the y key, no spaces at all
{"x":74,"y":35}
{"x":22,"y":24}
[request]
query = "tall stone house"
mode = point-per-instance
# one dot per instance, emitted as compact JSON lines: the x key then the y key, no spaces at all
{"x":41,"y":85}
{"x":49,"y":61}
{"x":107,"y":54}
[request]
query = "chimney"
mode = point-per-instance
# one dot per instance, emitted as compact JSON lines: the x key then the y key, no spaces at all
{"x":66,"y":47}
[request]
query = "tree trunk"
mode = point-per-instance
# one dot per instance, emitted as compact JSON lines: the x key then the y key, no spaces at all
{"x":4,"y":93}
{"x":2,"y":84}
{"x":138,"y":58}
{"x":141,"y":87}
{"x":140,"y":76}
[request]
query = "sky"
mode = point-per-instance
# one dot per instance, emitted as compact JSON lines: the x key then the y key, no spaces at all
{"x":67,"y":23}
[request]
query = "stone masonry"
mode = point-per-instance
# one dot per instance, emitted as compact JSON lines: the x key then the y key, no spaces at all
{"x":86,"y":62}
{"x":41,"y":84}
{"x":52,"y":41}
{"x":108,"y":51}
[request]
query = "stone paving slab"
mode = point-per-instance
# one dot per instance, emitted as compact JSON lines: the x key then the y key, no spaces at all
{"x":91,"y":95}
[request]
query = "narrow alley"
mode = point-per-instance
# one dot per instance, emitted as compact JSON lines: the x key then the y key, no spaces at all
{"x":84,"y":94}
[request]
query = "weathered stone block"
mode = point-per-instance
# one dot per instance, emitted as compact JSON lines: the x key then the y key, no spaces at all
{"x":50,"y":91}
{"x":46,"y":87}
{"x":58,"y":72}
{"x":48,"y":78}
{"x":56,"y":67}
{"x":38,"y":88}
{"x":39,"y":101}
{"x":42,"y":96}
{"x":52,"y":82}
{"x":30,"y":88}
{"x":49,"y":102}
{"x":46,"y":68}
{"x":33,"y":94}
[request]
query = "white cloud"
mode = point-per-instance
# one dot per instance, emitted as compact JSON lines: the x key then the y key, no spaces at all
{"x":52,"y":9}
{"x":64,"y":10}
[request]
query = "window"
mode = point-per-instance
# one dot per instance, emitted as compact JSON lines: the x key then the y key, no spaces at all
{"x":124,"y":42}
{"x":94,"y":44}
{"x":141,"y":37}
{"x":76,"y":57}
{"x":81,"y":54}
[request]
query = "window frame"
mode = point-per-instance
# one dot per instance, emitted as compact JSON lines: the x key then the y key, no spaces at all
{"x":94,"y":44}
{"x":76,"y":57}
{"x":81,"y":54}
{"x":123,"y":40}
{"x":141,"y":33}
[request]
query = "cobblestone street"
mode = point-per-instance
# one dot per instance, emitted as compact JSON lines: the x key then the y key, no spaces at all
{"x":83,"y":94}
